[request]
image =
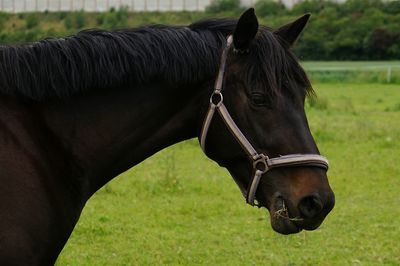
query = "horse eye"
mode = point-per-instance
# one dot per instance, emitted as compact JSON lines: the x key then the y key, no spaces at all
{"x":258,"y":99}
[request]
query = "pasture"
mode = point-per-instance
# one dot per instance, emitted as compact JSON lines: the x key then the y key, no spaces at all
{"x":178,"y":207}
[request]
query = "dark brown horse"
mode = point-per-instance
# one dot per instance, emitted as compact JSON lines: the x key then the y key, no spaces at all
{"x":76,"y":112}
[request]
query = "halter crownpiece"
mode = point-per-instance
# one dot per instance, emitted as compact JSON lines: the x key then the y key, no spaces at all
{"x":261,"y":163}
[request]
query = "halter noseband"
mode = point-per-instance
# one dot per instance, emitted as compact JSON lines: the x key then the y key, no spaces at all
{"x":261,"y":163}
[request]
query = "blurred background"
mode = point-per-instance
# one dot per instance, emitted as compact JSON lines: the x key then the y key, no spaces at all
{"x":179,"y":208}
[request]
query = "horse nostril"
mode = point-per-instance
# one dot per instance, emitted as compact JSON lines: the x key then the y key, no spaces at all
{"x":310,"y":206}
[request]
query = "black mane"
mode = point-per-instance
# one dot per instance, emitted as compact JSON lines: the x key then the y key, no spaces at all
{"x":99,"y":59}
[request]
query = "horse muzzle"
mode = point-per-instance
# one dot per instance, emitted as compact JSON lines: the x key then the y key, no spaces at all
{"x":289,"y":217}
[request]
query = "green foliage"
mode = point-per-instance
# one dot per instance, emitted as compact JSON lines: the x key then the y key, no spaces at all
{"x":80,"y":19}
{"x":392,"y":7}
{"x":354,"y":30}
{"x":68,"y":23}
{"x":269,"y":7}
{"x":114,"y":18}
{"x":31,"y":21}
{"x":359,"y":6}
{"x":4,"y":17}
{"x":75,"y":20}
{"x":217,"y":6}
{"x":309,"y":6}
{"x":29,"y":35}
{"x":61,"y":15}
{"x":380,"y":44}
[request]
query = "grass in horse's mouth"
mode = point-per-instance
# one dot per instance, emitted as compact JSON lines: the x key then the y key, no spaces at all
{"x":284,"y":213}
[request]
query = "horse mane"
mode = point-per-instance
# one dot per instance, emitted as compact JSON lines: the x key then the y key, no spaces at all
{"x":100,"y":59}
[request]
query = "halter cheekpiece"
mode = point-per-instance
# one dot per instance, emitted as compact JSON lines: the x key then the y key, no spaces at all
{"x":261,"y":162}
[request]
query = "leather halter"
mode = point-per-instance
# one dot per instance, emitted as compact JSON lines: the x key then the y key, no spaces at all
{"x":261,"y":162}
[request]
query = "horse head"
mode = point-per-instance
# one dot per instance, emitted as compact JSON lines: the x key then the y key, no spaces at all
{"x":261,"y":134}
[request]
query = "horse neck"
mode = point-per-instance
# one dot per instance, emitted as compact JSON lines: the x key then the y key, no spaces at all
{"x":109,"y":132}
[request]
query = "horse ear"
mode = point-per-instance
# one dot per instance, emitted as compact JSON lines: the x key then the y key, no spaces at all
{"x":290,"y":32}
{"x":246,"y":30}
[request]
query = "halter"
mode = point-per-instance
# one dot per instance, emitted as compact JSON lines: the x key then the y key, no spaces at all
{"x":261,"y":162}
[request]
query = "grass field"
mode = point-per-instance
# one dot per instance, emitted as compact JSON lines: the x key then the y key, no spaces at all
{"x":178,"y":207}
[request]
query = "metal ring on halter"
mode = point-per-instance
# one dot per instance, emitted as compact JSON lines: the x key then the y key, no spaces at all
{"x":261,"y":164}
{"x":220,"y":100}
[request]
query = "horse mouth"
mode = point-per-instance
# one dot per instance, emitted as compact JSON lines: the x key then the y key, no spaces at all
{"x":281,"y":219}
{"x":287,"y":219}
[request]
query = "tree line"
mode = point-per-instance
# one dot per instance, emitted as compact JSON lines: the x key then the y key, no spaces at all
{"x":353,"y":30}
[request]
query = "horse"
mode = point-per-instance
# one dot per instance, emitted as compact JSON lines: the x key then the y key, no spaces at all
{"x":77,"y":111}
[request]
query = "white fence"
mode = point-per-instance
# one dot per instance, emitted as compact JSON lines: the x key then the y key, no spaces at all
{"x":389,"y":69}
{"x":16,"y":6}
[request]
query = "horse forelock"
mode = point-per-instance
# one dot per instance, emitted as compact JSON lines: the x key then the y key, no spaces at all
{"x":271,"y":68}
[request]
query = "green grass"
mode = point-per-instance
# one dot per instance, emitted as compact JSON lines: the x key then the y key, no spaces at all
{"x":178,"y":207}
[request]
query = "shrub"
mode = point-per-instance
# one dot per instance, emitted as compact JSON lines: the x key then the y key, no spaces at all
{"x":62,"y":15}
{"x":269,"y":7}
{"x":19,"y":36}
{"x":223,"y":5}
{"x":68,"y":23}
{"x":4,"y":17}
{"x":31,"y":21}
{"x":392,"y":7}
{"x":99,"y":20}
{"x":114,"y":18}
{"x":75,"y":20}
{"x":359,"y":6}
{"x":308,"y":6}
{"x":80,"y":19}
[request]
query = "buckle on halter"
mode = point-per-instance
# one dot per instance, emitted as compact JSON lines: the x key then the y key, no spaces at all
{"x":239,"y":51}
{"x":260,"y":163}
